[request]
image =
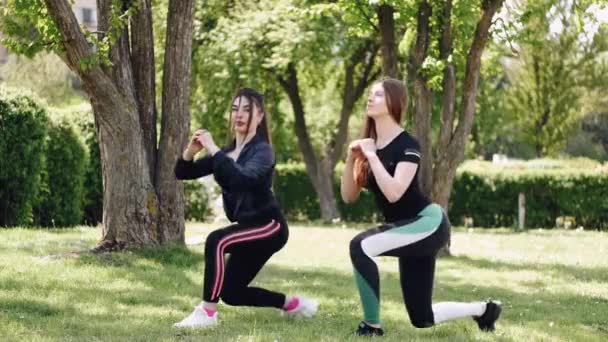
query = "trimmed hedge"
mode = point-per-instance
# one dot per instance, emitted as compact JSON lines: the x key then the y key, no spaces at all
{"x":489,"y":197}
{"x":23,"y":124}
{"x":61,"y":193}
{"x":299,"y":201}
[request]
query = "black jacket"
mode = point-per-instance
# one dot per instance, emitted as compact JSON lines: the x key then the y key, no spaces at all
{"x":246,"y":183}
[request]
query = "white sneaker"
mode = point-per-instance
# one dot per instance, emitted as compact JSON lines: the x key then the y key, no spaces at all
{"x":307,"y":307}
{"x":197,"y":319}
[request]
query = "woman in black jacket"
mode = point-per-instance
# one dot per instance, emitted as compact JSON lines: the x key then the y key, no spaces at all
{"x":244,"y":172}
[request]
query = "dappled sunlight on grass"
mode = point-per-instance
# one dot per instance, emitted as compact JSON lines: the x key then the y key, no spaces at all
{"x":553,"y":284}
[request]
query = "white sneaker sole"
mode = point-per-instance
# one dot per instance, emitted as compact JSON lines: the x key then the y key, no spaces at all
{"x":308,"y":309}
{"x":194,"y":326}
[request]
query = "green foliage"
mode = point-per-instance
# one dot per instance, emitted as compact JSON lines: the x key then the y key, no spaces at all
{"x":82,"y":118}
{"x":584,"y":144}
{"x":61,"y":192}
{"x":465,"y":15}
{"x":120,"y":13}
{"x":251,"y":45}
{"x":494,"y":127}
{"x":197,"y":208}
{"x":560,"y":61}
{"x":553,"y":189}
{"x":28,"y":28}
{"x":596,"y":127}
{"x":295,"y":192}
{"x":23,"y":123}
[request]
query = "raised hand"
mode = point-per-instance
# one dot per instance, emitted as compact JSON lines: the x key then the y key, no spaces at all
{"x":368,"y":147}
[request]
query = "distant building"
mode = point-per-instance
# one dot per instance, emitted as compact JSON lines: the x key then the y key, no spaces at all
{"x":86,"y":13}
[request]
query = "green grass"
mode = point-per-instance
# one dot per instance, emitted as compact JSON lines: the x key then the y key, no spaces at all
{"x":553,"y":284}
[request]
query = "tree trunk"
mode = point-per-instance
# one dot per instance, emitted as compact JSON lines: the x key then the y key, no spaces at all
{"x":325,"y":191}
{"x":453,"y":153}
{"x":422,"y":97}
{"x":175,"y":118}
{"x":321,"y":170}
{"x":142,"y":58}
{"x":129,"y":201}
{"x":437,"y":174}
{"x":136,"y":213}
{"x":390,"y":66}
{"x":320,"y":177}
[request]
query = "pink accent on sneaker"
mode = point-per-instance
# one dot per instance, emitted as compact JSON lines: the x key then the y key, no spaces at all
{"x":292,"y":304}
{"x":210,"y":312}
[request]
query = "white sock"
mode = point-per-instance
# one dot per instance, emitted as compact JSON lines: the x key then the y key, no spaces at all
{"x":446,"y":311}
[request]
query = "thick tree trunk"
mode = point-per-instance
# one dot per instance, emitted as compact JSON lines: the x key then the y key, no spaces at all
{"x":130,"y":217}
{"x":130,"y":207}
{"x":175,"y":118}
{"x":453,"y":154}
{"x":125,"y":117}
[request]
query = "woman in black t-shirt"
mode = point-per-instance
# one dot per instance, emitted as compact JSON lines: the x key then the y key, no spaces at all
{"x":385,"y":161}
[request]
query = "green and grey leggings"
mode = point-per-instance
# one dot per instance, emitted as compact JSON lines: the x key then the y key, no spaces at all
{"x":415,"y":242}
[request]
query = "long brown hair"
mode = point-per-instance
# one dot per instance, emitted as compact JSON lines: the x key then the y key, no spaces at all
{"x":255,"y":99}
{"x":396,"y":103}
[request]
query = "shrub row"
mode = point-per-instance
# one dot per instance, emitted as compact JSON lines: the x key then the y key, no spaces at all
{"x":490,"y":198}
{"x":50,"y":167}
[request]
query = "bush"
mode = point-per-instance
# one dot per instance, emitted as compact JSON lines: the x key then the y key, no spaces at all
{"x":82,"y":116}
{"x":486,"y":193}
{"x":22,"y":130}
{"x":295,"y":192}
{"x":300,"y":202}
{"x":61,"y":195}
{"x":197,"y":208}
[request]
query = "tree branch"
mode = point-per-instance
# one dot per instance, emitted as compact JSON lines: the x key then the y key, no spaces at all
{"x":291,"y":87}
{"x":120,"y":54}
{"x":449,"y":80}
{"x":95,"y":81}
{"x":76,"y":46}
{"x":471,"y":79}
{"x":142,"y":60}
{"x":365,"y":16}
{"x":422,"y":95}
{"x":389,"y":47}
{"x":350,"y":94}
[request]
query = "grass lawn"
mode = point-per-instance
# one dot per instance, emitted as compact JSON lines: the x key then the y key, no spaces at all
{"x":553,"y":284}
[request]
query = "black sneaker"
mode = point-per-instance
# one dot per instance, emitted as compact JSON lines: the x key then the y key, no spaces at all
{"x":365,"y":329}
{"x":489,"y":317}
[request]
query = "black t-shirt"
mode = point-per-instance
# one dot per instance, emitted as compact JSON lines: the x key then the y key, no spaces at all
{"x":403,"y":148}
